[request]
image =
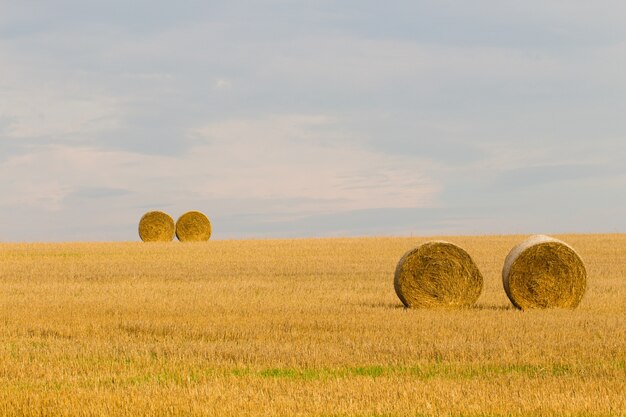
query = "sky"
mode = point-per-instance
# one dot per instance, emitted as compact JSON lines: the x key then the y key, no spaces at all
{"x":316,"y":118}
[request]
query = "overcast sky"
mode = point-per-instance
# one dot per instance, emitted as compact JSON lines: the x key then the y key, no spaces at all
{"x":299,"y":118}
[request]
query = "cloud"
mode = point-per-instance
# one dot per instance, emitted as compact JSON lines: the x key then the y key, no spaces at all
{"x":45,"y":176}
{"x":41,"y":103}
{"x":297,"y":157}
{"x":278,"y":167}
{"x":222,"y":84}
{"x":532,"y":176}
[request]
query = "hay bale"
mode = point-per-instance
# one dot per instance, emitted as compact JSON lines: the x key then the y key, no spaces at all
{"x":156,"y":226}
{"x":193,"y":226}
{"x":437,"y":274}
{"x":543,"y":272}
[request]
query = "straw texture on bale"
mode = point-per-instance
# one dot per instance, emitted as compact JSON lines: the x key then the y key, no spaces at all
{"x":193,"y":226}
{"x":437,"y":274}
{"x":543,"y":272}
{"x":156,"y":226}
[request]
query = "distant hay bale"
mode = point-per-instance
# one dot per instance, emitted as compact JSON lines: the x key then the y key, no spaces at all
{"x":193,"y":226}
{"x":543,"y":272}
{"x":437,"y":274}
{"x":156,"y":226}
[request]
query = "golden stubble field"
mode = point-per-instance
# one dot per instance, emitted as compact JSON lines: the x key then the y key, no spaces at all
{"x":296,"y":328}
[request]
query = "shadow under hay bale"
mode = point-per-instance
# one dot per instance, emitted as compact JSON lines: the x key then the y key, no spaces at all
{"x":437,"y":274}
{"x":193,"y":226}
{"x":156,"y":226}
{"x":543,"y":272}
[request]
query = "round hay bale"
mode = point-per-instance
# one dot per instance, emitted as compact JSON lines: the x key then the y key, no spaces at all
{"x":193,"y":226}
{"x":544,"y":272}
{"x":156,"y":226}
{"x":437,"y":274}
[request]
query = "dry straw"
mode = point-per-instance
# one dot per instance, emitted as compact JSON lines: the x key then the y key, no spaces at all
{"x":543,"y":272}
{"x":156,"y":226}
{"x":193,"y":226}
{"x":437,"y":274}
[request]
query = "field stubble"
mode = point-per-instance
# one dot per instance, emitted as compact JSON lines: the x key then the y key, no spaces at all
{"x":307,"y":327}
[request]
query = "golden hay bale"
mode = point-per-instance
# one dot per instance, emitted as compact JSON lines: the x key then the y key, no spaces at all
{"x":543,"y":272}
{"x":437,"y":274}
{"x":156,"y":226}
{"x":193,"y":226}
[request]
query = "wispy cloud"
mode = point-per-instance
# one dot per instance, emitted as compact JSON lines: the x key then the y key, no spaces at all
{"x":299,"y":156}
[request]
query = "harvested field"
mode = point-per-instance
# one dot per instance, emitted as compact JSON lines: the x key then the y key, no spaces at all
{"x":309,"y":327}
